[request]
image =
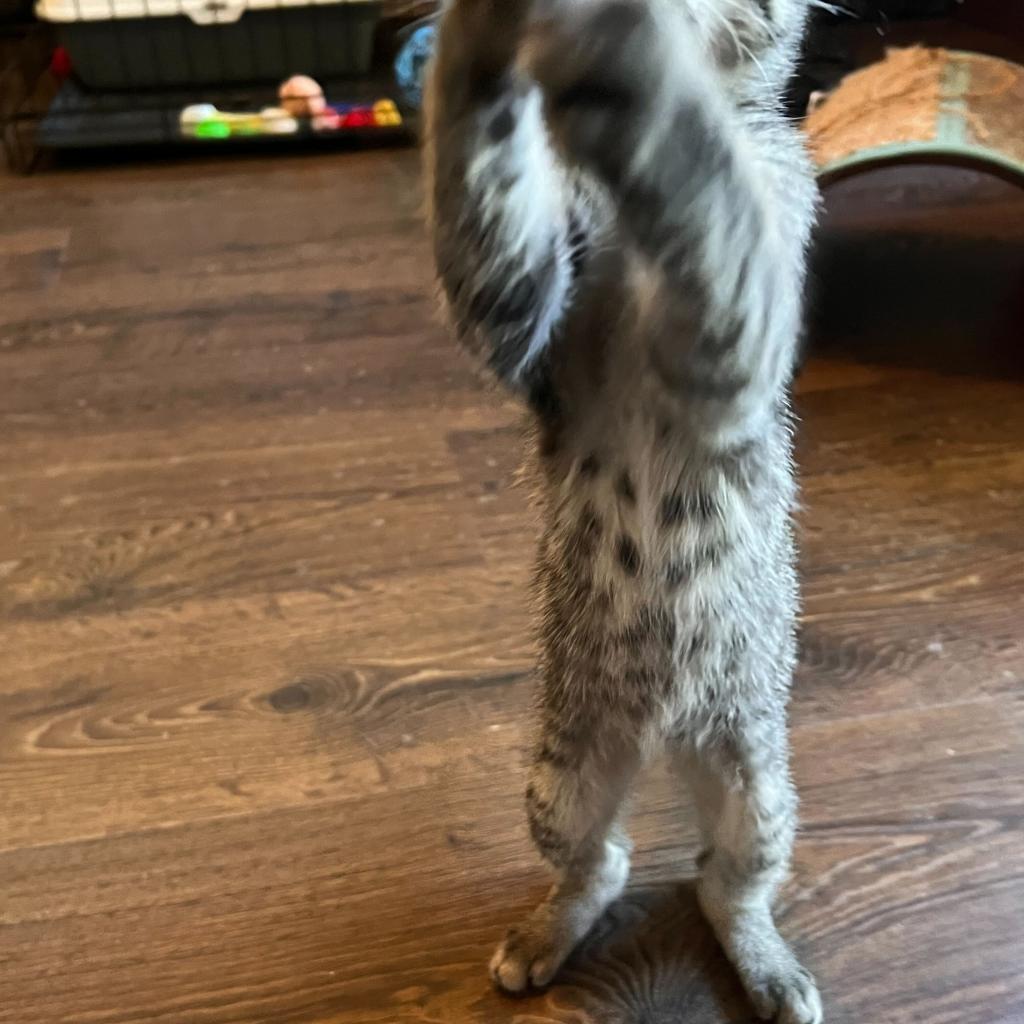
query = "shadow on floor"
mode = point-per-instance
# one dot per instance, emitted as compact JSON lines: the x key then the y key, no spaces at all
{"x":913,"y":300}
{"x":651,"y":960}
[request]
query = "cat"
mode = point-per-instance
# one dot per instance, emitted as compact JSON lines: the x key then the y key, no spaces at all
{"x":620,"y":213}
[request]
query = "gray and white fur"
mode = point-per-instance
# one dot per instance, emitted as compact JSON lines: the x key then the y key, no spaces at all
{"x":620,"y":214}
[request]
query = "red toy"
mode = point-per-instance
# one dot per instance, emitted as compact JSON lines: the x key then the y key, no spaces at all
{"x":341,"y":116}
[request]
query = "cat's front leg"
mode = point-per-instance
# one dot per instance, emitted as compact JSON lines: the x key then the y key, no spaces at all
{"x":506,"y":221}
{"x":718,"y":211}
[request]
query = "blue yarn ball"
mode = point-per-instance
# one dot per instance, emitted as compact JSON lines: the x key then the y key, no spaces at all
{"x":411,"y":62}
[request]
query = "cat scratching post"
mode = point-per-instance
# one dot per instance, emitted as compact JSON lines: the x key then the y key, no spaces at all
{"x":923,"y":105}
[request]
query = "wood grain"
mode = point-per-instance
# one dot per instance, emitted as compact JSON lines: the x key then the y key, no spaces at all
{"x":266,"y":644}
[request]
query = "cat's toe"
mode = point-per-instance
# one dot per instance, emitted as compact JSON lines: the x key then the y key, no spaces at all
{"x":523,"y":960}
{"x":790,"y":998}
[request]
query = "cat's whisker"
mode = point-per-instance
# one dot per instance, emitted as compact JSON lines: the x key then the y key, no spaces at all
{"x":741,"y":47}
{"x":830,"y":8}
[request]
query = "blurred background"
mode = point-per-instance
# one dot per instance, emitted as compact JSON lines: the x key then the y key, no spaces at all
{"x":264,"y":563}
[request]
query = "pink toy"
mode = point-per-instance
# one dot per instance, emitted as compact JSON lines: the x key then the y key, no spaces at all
{"x":301,"y":96}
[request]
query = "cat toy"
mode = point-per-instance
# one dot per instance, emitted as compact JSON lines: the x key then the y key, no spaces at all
{"x":342,"y":116}
{"x":205,"y":121}
{"x":303,"y":96}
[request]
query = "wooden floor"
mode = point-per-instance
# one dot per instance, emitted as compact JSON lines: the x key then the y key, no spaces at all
{"x":265,"y":646}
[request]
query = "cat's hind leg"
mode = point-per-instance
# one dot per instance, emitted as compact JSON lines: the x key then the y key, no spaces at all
{"x":748,"y":816}
{"x":573,"y":799}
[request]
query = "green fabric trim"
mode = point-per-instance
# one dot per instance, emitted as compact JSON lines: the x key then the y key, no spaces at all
{"x":951,"y":118}
{"x":904,"y":150}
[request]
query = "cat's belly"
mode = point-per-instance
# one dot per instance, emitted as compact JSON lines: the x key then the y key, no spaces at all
{"x":667,"y":574}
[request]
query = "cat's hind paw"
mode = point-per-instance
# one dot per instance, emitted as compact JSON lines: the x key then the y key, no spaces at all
{"x":527,"y":958}
{"x":790,"y":997}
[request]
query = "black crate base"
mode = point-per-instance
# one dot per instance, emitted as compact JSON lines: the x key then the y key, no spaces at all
{"x":79,"y":118}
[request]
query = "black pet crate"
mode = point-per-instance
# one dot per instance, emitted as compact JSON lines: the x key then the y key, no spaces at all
{"x":149,"y":44}
{"x":89,"y":73}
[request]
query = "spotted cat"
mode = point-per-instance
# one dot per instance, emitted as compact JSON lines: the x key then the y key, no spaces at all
{"x":620,"y":214}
